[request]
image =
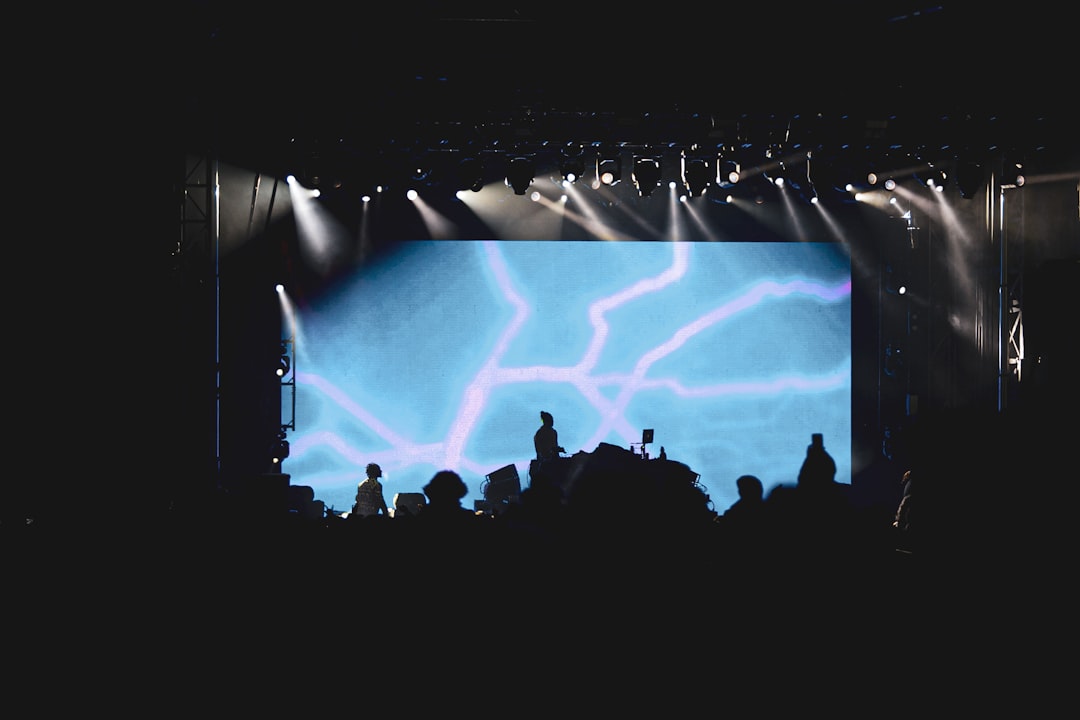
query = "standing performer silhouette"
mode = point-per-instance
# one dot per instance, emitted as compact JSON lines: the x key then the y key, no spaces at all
{"x":546,"y":438}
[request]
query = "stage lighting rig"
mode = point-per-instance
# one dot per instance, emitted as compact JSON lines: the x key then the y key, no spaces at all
{"x":894,"y":279}
{"x":422,"y":170}
{"x":1012,"y":172}
{"x":286,"y":373}
{"x":520,"y":172}
{"x":285,"y":359}
{"x":280,"y":448}
{"x":938,"y":180}
{"x":646,"y":174}
{"x":696,"y":174}
{"x":470,"y":173}
{"x":728,"y":172}
{"x":775,"y":169}
{"x":572,"y":163}
{"x":932,"y":176}
{"x":609,"y":166}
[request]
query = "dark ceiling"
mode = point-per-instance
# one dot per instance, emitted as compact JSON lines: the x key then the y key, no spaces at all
{"x":905,"y":77}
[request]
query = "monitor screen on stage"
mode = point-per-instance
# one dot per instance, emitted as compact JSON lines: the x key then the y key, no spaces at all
{"x":726,"y":356}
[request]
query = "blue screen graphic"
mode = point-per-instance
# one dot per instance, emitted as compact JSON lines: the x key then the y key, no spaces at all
{"x":442,"y":354}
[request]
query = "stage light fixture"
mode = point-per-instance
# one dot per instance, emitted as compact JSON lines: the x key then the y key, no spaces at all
{"x":321,"y":170}
{"x":933,"y":177}
{"x":728,"y":172}
{"x":284,"y":360}
{"x":422,"y":171}
{"x":470,"y":174}
{"x":279,"y":451}
{"x":880,"y":170}
{"x":776,"y":173}
{"x":609,"y":167}
{"x":894,"y":280}
{"x":696,"y":175}
{"x":930,"y":174}
{"x":646,"y":174}
{"x":1012,"y":172}
{"x":520,"y":173}
{"x":572,"y":162}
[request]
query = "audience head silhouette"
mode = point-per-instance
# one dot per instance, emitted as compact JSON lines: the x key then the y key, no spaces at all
{"x":819,"y":468}
{"x":750,"y":488}
{"x":445,"y":489}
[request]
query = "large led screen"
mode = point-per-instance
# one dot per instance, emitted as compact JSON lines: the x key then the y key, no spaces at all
{"x":442,"y":355}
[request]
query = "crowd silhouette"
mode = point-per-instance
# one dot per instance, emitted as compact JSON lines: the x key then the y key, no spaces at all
{"x":633,"y":509}
{"x":621,"y":548}
{"x":609,"y":517}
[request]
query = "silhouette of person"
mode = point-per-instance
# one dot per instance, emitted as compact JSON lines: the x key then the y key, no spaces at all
{"x":745,"y":527}
{"x":546,"y":438}
{"x":444,"y":493}
{"x":750,"y":505}
{"x":370,"y":500}
{"x":826,"y":516}
{"x":447,"y":529}
{"x":818,"y":469}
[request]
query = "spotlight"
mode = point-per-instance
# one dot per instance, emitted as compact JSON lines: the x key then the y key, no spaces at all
{"x":280,"y":448}
{"x":925,"y":175}
{"x":609,"y":167}
{"x":519,"y":173}
{"x":777,"y":174}
{"x":422,"y":171}
{"x":696,"y":175}
{"x":894,"y":281}
{"x":932,"y":177}
{"x":1012,"y":173}
{"x":321,"y":171}
{"x":646,"y":175}
{"x":728,"y":172}
{"x":284,"y":361}
{"x":572,"y":163}
{"x":890,"y":184}
{"x":470,"y":174}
